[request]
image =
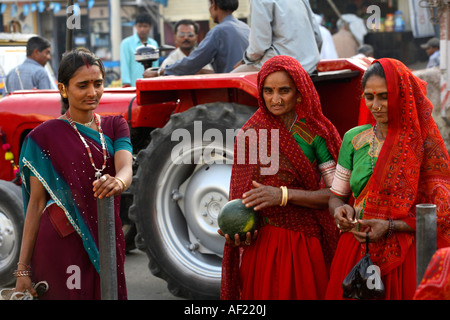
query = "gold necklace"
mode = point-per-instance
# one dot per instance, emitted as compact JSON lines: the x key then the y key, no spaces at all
{"x":98,"y":172}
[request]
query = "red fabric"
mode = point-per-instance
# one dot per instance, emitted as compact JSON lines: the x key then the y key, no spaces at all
{"x":435,"y":284}
{"x":295,"y":257}
{"x":399,"y":283}
{"x":412,"y":168}
{"x":295,"y":170}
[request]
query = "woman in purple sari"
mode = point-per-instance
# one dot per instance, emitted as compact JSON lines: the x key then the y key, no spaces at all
{"x":66,"y":164}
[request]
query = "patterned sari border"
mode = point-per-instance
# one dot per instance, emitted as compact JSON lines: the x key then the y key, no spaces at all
{"x":341,"y":182}
{"x":52,"y":195}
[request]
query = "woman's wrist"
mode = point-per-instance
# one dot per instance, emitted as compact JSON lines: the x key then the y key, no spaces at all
{"x":390,"y":228}
{"x":22,"y":273}
{"x":23,"y":266}
{"x":122,"y":182}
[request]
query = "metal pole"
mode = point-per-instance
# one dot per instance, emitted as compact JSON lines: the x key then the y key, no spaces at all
{"x":107,"y":248}
{"x":335,"y":9}
{"x":338,"y":13}
{"x":69,"y":32}
{"x":425,"y":237}
{"x":116,"y":28}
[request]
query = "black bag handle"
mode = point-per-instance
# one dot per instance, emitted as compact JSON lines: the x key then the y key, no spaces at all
{"x":367,"y":242}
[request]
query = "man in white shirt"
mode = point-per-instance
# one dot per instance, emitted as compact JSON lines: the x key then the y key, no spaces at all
{"x":186,"y":37}
{"x":328,"y":50}
{"x":294,"y":32}
{"x":432,"y":48}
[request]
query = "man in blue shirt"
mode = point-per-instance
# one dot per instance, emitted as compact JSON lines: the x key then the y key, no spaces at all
{"x":130,"y":69}
{"x":31,"y":74}
{"x":223,"y":45}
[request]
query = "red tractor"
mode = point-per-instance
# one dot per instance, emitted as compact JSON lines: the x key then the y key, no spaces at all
{"x":182,"y":130}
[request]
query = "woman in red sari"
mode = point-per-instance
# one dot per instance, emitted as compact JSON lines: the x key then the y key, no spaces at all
{"x":396,"y":161}
{"x":289,"y":257}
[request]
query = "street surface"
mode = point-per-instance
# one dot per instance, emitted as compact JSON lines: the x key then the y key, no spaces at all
{"x":141,"y":284}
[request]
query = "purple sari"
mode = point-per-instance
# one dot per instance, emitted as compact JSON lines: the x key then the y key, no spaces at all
{"x":66,"y":250}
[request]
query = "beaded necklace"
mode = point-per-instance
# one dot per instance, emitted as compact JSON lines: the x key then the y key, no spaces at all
{"x":372,"y":153}
{"x":296,"y":116}
{"x":98,"y":172}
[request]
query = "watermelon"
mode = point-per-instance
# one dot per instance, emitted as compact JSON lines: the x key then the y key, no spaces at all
{"x":236,"y":218}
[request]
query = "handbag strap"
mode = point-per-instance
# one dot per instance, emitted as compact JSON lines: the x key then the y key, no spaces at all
{"x":367,"y":242}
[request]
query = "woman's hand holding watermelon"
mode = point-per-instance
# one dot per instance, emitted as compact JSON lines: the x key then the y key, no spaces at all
{"x":237,"y":241}
{"x":238,"y":223}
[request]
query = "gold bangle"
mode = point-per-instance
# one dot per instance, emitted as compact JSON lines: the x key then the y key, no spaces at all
{"x":284,"y":196}
{"x":287,"y":196}
{"x":22,"y":273}
{"x":123,"y":183}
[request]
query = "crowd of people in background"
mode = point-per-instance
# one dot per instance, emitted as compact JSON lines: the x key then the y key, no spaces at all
{"x":230,"y":46}
{"x":254,"y":45}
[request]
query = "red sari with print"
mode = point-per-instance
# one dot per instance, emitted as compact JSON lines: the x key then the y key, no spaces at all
{"x":412,"y":168}
{"x":291,"y":256}
{"x":435,"y":284}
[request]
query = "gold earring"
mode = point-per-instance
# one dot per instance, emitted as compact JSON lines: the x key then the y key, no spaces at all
{"x":299,"y":100}
{"x":63,"y":94}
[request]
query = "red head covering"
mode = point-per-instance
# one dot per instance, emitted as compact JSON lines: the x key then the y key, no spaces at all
{"x":412,"y":168}
{"x":294,"y":169}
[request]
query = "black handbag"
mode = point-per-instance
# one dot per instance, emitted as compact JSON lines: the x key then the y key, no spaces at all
{"x":364,"y":280}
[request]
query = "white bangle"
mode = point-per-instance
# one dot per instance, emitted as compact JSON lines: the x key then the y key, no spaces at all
{"x":159,"y":72}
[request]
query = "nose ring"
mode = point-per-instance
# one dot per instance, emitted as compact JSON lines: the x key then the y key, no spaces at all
{"x":379,"y":109}
{"x":279,"y":103}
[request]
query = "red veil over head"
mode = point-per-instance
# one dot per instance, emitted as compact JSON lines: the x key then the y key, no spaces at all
{"x":412,"y":168}
{"x":294,"y":169}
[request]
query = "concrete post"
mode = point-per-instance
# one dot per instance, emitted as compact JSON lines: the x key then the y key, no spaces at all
{"x":107,"y":248}
{"x":425,"y":237}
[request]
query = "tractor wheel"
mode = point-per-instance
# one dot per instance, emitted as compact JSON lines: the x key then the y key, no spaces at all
{"x":180,"y":186}
{"x":11,"y":225}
